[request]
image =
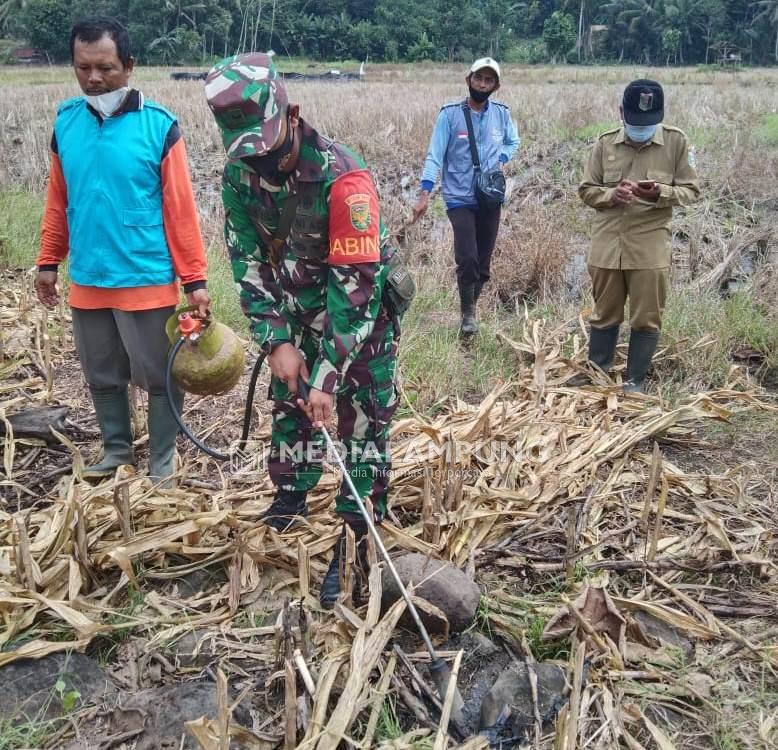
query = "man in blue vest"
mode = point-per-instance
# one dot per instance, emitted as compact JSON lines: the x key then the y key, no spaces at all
{"x":475,"y":227}
{"x":120,"y":205}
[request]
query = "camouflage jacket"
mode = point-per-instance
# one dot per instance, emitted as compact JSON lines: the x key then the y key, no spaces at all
{"x":317,"y":285}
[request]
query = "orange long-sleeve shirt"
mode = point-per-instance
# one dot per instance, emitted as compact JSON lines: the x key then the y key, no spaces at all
{"x":182,"y":231}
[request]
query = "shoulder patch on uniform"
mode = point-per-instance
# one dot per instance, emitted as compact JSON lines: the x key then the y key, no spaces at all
{"x":672,"y":128}
{"x":612,"y":131}
{"x":500,"y":104}
{"x":69,"y":103}
{"x":354,"y":220}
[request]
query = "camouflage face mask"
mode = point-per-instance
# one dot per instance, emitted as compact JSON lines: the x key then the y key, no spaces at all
{"x":267,"y":166}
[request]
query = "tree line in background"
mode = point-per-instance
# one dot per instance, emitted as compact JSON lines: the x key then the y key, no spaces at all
{"x":651,"y":32}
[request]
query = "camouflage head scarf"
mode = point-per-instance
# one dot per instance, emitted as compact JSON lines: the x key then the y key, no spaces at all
{"x":249,"y":103}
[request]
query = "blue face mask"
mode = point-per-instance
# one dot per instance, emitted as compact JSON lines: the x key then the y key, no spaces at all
{"x":639,"y":133}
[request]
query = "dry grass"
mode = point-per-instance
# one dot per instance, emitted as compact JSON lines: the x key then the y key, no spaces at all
{"x":539,"y":527}
{"x":531,"y":258}
{"x":548,"y":492}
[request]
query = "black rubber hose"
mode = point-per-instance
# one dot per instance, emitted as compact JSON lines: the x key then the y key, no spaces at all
{"x":171,"y":358}
{"x":247,"y":414}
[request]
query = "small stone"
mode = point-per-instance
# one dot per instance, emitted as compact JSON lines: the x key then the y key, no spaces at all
{"x":657,"y":629}
{"x":482,"y":645}
{"x":193,"y":649}
{"x":662,"y":714}
{"x":512,"y":690}
{"x":29,"y":686}
{"x":440,"y":583}
{"x":200,"y":580}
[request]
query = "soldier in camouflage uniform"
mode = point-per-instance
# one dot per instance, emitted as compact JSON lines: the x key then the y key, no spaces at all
{"x":309,"y":253}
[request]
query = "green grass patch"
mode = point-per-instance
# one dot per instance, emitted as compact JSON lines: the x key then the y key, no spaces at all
{"x":27,"y":734}
{"x":739,"y":321}
{"x":19,"y":75}
{"x":50,"y":75}
{"x":24,"y":732}
{"x":522,"y":619}
{"x":388,"y":727}
{"x":767,"y":130}
{"x":594,"y":130}
{"x":435,"y":363}
{"x":225,"y":303}
{"x":20,"y":220}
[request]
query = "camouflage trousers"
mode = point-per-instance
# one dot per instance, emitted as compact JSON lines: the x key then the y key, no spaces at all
{"x":365,"y":404}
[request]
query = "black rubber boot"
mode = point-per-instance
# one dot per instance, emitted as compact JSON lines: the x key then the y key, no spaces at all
{"x":642,"y":345}
{"x":602,"y":348}
{"x":467,"y":308}
{"x":163,"y":430}
{"x":112,"y":407}
{"x":330,"y":585}
{"x":477,"y":289}
{"x":287,"y":508}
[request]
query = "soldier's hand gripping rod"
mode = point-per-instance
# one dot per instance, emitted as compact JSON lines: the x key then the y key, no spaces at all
{"x":439,"y":670}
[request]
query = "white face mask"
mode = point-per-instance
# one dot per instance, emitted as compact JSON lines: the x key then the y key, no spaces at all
{"x":107,"y":104}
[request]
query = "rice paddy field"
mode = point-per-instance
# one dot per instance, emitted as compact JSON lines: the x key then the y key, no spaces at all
{"x":625,"y":544}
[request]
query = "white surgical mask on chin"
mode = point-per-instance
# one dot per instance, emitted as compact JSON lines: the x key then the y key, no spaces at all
{"x":639,"y":133}
{"x":107,"y":104}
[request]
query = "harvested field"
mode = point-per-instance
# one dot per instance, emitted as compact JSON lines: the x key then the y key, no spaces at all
{"x":628,"y":543}
{"x":544,"y":492}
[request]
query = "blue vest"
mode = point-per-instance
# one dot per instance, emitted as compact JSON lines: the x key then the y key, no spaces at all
{"x":113,"y":177}
{"x":489,"y":128}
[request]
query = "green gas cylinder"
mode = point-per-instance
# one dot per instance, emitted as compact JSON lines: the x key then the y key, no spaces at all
{"x":211,"y":360}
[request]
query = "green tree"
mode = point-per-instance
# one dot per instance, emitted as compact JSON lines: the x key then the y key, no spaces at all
{"x":671,"y":44}
{"x":710,"y":20}
{"x":48,"y":27}
{"x":406,"y":21}
{"x":10,"y":10}
{"x":496,"y":13}
{"x":559,"y":34}
{"x":458,"y":30}
{"x":423,"y":49}
{"x":679,"y":15}
{"x":361,"y":10}
{"x":586,"y":11}
{"x":634,"y":28}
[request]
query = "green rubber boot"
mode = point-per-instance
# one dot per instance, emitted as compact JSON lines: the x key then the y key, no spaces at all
{"x":163,"y":429}
{"x":467,"y":307}
{"x":642,"y":345}
{"x":602,"y":348}
{"x":112,"y":407}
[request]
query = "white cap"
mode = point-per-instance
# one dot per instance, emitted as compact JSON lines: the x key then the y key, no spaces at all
{"x":486,"y":62}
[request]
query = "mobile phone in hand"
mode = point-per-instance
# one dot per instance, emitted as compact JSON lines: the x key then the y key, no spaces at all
{"x":646,"y":184}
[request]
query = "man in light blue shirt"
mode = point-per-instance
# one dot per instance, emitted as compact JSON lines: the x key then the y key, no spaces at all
{"x":475,"y":227}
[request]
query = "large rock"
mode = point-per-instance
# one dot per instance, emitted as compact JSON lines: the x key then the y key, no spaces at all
{"x":513,"y":691}
{"x":440,"y":583}
{"x":166,"y":708}
{"x":29,"y":686}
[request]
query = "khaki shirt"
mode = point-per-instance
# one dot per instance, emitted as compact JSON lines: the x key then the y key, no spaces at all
{"x":637,"y":235}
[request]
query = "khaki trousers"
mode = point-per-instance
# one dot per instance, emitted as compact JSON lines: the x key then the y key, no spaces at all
{"x":645,"y":288}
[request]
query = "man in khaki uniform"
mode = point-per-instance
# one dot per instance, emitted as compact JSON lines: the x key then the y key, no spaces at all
{"x":634,"y":177}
